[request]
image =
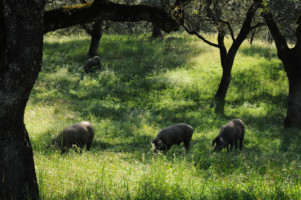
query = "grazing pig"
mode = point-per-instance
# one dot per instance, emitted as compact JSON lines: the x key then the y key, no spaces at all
{"x":229,"y":134}
{"x":79,"y":134}
{"x":94,"y":61}
{"x":175,"y":134}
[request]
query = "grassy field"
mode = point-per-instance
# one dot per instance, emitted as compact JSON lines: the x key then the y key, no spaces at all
{"x":143,"y":86}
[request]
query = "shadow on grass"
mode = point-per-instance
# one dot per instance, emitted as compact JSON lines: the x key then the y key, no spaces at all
{"x":290,"y":140}
{"x":150,"y":189}
{"x":261,"y":51}
{"x":128,"y":62}
{"x":139,"y":143}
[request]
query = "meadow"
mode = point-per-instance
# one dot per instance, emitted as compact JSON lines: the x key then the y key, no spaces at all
{"x":144,"y":85}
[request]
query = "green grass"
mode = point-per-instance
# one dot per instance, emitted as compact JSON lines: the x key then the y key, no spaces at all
{"x":143,"y":86}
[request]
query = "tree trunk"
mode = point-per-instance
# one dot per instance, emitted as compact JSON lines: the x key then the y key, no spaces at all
{"x":227,"y":59}
{"x":96,"y":35}
{"x":20,"y":63}
{"x":293,"y":114}
{"x":291,"y":58}
{"x":18,"y":178}
{"x":222,"y":89}
{"x":293,"y":70}
{"x":156,"y":31}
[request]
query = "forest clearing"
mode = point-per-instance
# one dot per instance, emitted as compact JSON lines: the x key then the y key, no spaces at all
{"x":143,"y":86}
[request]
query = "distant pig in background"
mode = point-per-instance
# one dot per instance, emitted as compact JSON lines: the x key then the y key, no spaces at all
{"x":94,"y":61}
{"x":229,"y":135}
{"x":175,"y":134}
{"x":79,"y":134}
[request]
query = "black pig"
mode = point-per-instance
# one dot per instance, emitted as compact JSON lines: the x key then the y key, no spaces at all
{"x":79,"y":134}
{"x":94,"y":61}
{"x":175,"y":134}
{"x":229,"y":135}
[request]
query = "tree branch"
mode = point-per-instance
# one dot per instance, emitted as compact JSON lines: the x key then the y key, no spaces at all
{"x":259,"y":24}
{"x":222,"y":49}
{"x":200,"y":37}
{"x":86,"y":28}
{"x":229,"y":27}
{"x":245,"y":29}
{"x":279,"y":39}
{"x":105,"y":10}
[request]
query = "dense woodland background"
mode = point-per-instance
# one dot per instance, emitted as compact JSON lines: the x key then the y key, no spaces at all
{"x":228,"y":59}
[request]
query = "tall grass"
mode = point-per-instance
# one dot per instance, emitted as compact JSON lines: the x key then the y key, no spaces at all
{"x":143,"y":86}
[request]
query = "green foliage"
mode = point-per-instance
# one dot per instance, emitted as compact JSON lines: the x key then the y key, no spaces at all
{"x":143,"y":86}
{"x":216,"y":15}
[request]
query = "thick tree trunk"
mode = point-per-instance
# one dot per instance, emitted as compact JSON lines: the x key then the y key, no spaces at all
{"x":293,"y":114}
{"x":293,"y":70}
{"x":18,"y":178}
{"x":96,"y":35}
{"x":291,"y":58}
{"x":156,"y":31}
{"x":20,"y":63}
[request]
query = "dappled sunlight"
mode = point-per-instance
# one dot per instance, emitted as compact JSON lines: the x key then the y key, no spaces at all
{"x":143,"y":86}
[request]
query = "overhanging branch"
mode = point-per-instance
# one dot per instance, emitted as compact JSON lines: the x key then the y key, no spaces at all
{"x":279,"y":39}
{"x":200,"y":37}
{"x":105,"y":10}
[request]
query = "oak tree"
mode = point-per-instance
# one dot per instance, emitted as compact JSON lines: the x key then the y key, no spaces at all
{"x":22,"y":25}
{"x":279,"y":15}
{"x":232,"y":18}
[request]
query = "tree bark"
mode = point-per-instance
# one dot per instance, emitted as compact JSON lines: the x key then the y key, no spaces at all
{"x":106,"y":10}
{"x":293,"y":114}
{"x":18,"y":178}
{"x":291,"y":58}
{"x":96,"y":35}
{"x":227,"y":60}
{"x":20,"y":62}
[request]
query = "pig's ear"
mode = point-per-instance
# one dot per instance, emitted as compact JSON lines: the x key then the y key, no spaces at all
{"x":213,"y":142}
